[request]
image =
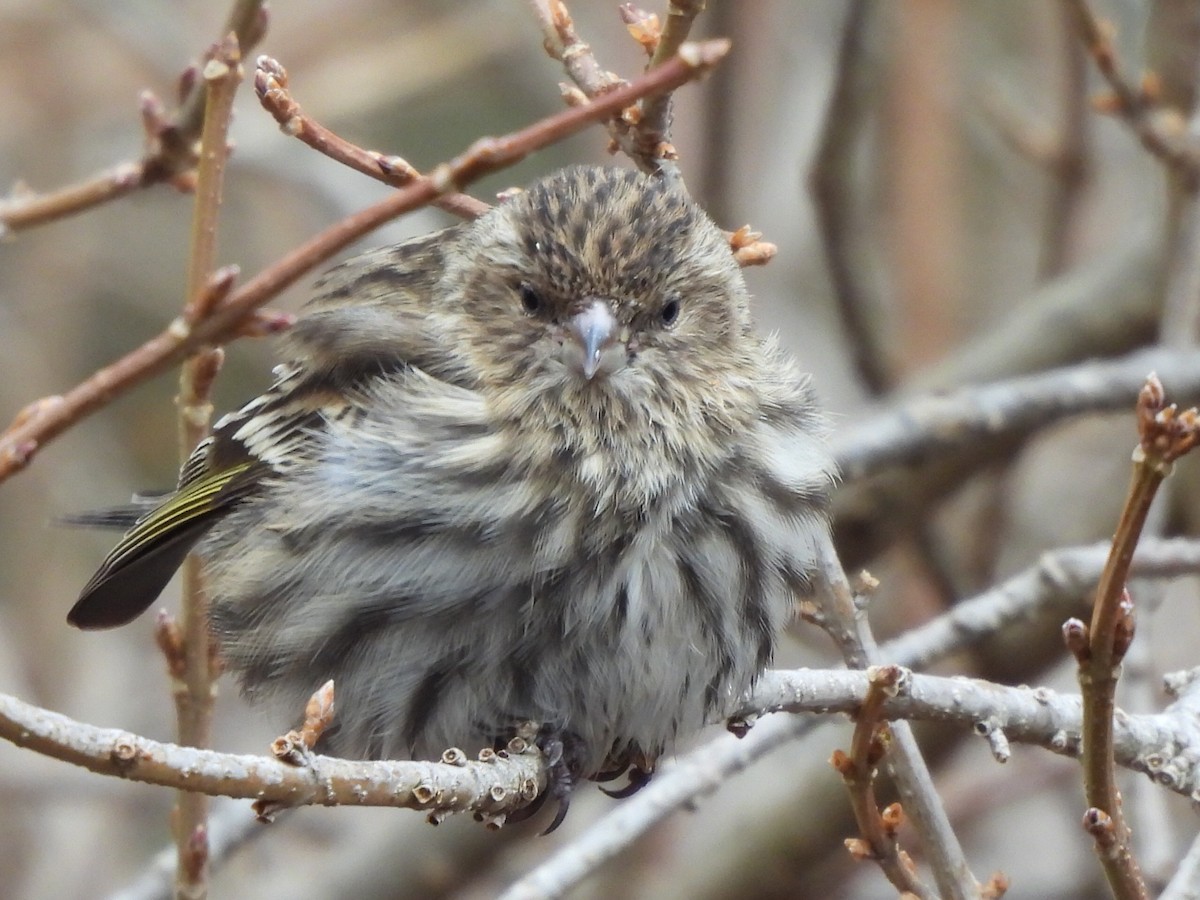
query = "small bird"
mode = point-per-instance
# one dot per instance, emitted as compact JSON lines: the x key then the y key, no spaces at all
{"x":533,"y":468}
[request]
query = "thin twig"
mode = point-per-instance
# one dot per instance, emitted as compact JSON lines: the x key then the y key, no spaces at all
{"x":169,"y":157}
{"x":656,"y":111}
{"x":650,"y":150}
{"x":846,"y":623}
{"x":20,"y":443}
{"x":23,"y":210}
{"x":247,"y":21}
{"x":271,"y":86}
{"x":562,"y":43}
{"x":1165,"y":434}
{"x":195,"y":657}
{"x":641,"y":131}
{"x":832,"y":180}
{"x":858,"y":769}
{"x":1164,"y":135}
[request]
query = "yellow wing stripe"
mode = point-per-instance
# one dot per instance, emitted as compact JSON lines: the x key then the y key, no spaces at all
{"x":189,"y":504}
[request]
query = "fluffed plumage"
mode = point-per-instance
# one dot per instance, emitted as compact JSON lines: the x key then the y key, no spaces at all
{"x":533,"y":468}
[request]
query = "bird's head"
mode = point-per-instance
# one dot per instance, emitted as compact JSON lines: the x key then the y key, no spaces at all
{"x":603,"y":285}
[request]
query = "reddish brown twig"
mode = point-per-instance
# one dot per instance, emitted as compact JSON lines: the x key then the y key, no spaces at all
{"x":169,"y":156}
{"x":1161,"y":131}
{"x":563,"y":43}
{"x":271,"y":86}
{"x":644,"y":139}
{"x":1164,"y":434}
{"x":194,"y":687}
{"x":22,"y":440}
{"x":654,"y":129}
{"x":877,"y":830}
{"x":843,"y":620}
{"x":749,"y":249}
{"x":641,"y":131}
{"x":297,"y":745}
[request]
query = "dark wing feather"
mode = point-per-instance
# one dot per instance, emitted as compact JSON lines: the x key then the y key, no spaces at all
{"x":139,"y":567}
{"x":223,"y":470}
{"x":367,"y":322}
{"x":121,"y":518}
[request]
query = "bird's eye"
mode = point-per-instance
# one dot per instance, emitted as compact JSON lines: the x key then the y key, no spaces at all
{"x":670,"y":311}
{"x":531,"y":300}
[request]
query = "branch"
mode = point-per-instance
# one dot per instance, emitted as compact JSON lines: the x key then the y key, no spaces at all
{"x":271,"y":86}
{"x":858,"y":769}
{"x":1057,"y":584}
{"x":47,"y":419}
{"x":641,"y":132}
{"x":1165,"y":435}
{"x":490,"y":787}
{"x":191,"y":657}
{"x":1162,"y":132}
{"x":1164,"y":746}
{"x":562,"y":43}
{"x":169,"y":157}
{"x":832,"y":180}
{"x":897,"y":462}
{"x":656,"y":111}
{"x":845,"y":622}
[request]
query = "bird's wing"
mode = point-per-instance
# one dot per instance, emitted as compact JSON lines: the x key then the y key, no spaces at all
{"x":227,"y":467}
{"x":366,"y":322}
{"x":139,"y":567}
{"x":373,"y":312}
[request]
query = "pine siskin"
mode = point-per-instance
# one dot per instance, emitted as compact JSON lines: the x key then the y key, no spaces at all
{"x":532,"y":468}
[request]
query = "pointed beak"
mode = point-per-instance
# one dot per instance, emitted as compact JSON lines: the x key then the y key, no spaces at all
{"x":595,"y":331}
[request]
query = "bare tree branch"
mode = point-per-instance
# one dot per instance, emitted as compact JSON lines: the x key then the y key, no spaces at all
{"x":492,"y":786}
{"x":897,"y":462}
{"x":170,"y":156}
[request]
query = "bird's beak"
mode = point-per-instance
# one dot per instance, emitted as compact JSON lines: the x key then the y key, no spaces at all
{"x":594,"y":330}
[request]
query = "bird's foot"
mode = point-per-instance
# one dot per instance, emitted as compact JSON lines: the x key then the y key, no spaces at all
{"x":638,"y":779}
{"x":564,"y":753}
